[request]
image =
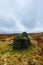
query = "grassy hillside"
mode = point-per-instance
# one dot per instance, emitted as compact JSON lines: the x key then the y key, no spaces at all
{"x":30,"y":56}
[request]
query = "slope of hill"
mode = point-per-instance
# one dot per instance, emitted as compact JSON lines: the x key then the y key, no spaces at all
{"x":30,"y":56}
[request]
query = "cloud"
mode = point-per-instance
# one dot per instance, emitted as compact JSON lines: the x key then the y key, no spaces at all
{"x":21,"y":15}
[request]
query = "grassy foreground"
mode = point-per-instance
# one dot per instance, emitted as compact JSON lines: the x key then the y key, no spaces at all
{"x":30,"y":56}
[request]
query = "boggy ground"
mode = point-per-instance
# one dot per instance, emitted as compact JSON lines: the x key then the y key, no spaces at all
{"x":30,"y":56}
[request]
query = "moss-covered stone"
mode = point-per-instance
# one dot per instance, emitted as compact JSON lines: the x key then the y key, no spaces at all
{"x":21,"y":41}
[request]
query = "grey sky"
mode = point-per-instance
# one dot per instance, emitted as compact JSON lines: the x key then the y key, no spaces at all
{"x":21,"y":15}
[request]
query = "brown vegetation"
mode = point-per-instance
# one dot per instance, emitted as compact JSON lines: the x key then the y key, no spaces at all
{"x":31,"y":56}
